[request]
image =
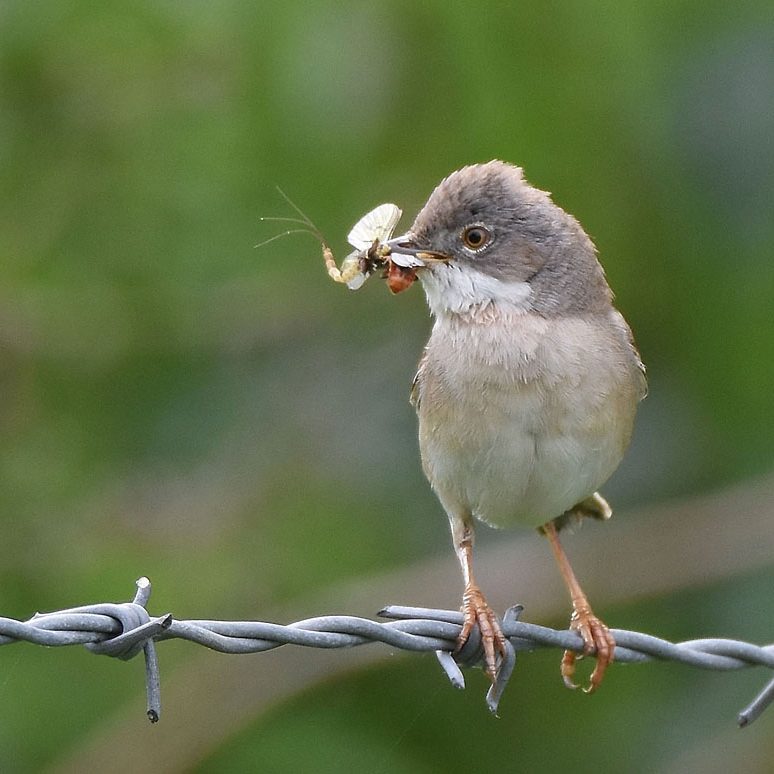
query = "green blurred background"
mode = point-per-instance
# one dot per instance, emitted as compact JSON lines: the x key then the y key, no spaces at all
{"x":232,"y":424}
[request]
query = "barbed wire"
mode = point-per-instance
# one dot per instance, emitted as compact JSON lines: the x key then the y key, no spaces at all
{"x":122,"y":630}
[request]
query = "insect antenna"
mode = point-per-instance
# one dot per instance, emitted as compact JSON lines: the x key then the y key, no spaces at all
{"x":284,"y":234}
{"x":308,"y":227}
{"x":304,"y":217}
{"x":284,"y":220}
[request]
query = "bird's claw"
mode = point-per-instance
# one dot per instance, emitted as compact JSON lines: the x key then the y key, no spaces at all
{"x":476,"y":612}
{"x":597,"y":640}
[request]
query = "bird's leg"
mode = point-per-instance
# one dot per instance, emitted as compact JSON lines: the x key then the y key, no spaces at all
{"x":596,"y":636}
{"x":475,"y":608}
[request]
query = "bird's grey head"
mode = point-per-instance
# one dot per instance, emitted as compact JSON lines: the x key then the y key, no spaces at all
{"x":500,"y":242}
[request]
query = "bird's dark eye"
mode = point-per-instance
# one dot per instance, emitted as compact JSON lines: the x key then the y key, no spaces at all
{"x":476,"y":237}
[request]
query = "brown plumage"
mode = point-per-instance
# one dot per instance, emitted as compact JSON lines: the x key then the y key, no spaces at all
{"x":528,"y":386}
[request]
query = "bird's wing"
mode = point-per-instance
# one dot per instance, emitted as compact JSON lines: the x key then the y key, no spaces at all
{"x":414,"y":395}
{"x":620,"y":323}
{"x":640,"y":365}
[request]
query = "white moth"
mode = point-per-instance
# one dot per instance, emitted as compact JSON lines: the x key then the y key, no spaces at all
{"x":369,"y":237}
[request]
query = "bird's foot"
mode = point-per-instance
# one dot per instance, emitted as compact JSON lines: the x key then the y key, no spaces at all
{"x":476,"y":611}
{"x":597,"y":640}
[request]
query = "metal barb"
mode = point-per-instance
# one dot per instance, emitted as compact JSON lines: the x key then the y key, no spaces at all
{"x":754,"y":709}
{"x":123,"y":630}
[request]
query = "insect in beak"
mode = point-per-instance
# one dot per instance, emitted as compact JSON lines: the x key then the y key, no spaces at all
{"x":404,"y":260}
{"x":399,"y":278}
{"x":368,"y":236}
{"x":374,"y":249}
{"x":405,"y":252}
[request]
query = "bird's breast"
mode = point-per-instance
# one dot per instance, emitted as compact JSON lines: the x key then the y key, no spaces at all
{"x":521,"y":418}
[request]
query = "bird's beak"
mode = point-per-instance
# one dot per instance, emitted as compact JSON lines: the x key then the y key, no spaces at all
{"x":405,"y":251}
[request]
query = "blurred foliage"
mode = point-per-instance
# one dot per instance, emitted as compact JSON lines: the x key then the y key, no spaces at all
{"x":229,"y":422}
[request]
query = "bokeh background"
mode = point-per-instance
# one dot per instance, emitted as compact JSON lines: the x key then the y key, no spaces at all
{"x":227,"y":421}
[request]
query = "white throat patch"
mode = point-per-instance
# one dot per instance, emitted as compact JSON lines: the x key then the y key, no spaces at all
{"x":456,"y":289}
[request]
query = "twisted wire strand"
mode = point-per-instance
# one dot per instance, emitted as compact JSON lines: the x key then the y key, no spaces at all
{"x":122,"y":630}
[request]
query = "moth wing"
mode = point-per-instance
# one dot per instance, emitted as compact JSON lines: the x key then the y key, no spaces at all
{"x":357,"y":281}
{"x":406,"y":261}
{"x":375,"y":225}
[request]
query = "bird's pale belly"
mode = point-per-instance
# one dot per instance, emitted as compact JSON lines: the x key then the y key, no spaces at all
{"x":506,"y":471}
{"x":523,"y":450}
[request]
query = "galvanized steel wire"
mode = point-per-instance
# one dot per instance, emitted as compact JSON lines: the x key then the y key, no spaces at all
{"x":123,"y":630}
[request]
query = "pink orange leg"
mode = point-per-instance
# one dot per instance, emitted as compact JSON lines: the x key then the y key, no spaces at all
{"x":596,"y":636}
{"x":476,"y":610}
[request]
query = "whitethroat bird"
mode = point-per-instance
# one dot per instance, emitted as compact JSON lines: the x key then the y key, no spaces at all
{"x":528,"y":386}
